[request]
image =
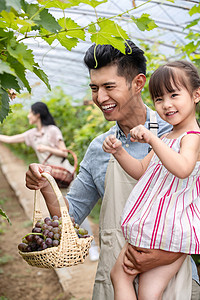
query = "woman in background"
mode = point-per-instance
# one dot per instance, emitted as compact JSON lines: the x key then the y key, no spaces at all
{"x":46,"y":138}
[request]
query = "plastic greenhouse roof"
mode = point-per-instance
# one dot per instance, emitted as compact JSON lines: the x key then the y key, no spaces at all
{"x":66,"y":69}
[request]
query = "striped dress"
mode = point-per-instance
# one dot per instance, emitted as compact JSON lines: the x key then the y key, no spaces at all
{"x":163,"y":211}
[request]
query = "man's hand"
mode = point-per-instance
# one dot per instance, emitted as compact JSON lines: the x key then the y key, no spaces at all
{"x":34,"y":179}
{"x":146,"y":259}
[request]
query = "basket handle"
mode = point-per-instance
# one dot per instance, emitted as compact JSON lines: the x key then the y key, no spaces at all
{"x":56,"y":190}
{"x":37,"y":214}
{"x":74,"y":157}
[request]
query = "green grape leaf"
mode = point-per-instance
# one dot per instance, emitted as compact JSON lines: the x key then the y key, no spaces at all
{"x":144,"y":22}
{"x":24,"y":22}
{"x":194,"y":10}
{"x":108,"y":26}
{"x":47,"y":21}
{"x":24,"y":5}
{"x":59,"y":4}
{"x":109,"y":33}
{"x":117,"y":43}
{"x":67,"y":42}
{"x":193,"y":36}
{"x":3,"y":24}
{"x":94,"y":3}
{"x":191,"y":47}
{"x":27,"y":25}
{"x":69,"y":24}
{"x":40,"y":73}
{"x":32,"y":11}
{"x":193,"y":23}
{"x":5,"y":67}
{"x":47,"y":36}
{"x":2,"y":5}
{"x":92,"y":28}
{"x":14,"y":4}
{"x":3,"y":214}
{"x":4,"y":104}
{"x":9,"y":19}
{"x":21,"y":53}
{"x":9,"y":81}
{"x":20,"y":72}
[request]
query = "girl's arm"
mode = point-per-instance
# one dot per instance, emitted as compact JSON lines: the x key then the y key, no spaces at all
{"x":18,"y":138}
{"x":180,"y":164}
{"x":134,"y":167}
{"x":60,"y":151}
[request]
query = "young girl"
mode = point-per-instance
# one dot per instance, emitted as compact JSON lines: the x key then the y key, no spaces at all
{"x":163,"y":210}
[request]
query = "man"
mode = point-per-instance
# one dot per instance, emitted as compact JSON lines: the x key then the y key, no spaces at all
{"x":117,"y":80}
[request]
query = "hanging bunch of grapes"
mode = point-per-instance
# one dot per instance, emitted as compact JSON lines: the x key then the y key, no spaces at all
{"x":47,"y":234}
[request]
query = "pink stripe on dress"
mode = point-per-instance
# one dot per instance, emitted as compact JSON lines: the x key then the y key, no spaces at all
{"x":157,"y":222}
{"x":140,"y":198}
{"x":168,"y":207}
{"x":144,"y":217}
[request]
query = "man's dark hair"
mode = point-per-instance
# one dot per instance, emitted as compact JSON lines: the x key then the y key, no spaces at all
{"x":130,"y":64}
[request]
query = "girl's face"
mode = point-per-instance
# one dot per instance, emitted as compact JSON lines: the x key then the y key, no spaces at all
{"x":177,"y":107}
{"x":33,"y":118}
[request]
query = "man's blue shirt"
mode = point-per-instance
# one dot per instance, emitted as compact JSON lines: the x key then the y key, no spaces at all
{"x":88,"y":187}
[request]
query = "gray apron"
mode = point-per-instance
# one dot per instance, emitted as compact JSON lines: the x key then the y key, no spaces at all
{"x":118,"y":186}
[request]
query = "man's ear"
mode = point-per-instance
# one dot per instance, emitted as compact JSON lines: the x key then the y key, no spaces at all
{"x":139,"y":82}
{"x":197,"y":96}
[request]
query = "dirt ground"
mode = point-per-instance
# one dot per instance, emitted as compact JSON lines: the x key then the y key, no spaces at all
{"x":18,"y":280}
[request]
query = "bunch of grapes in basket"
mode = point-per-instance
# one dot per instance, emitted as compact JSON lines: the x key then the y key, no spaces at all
{"x":47,"y":234}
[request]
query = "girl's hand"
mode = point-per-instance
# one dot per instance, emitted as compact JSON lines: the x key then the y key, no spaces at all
{"x":140,"y":134}
{"x":111,"y":144}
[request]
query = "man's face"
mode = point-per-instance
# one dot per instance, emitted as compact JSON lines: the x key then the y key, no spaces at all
{"x":111,"y":93}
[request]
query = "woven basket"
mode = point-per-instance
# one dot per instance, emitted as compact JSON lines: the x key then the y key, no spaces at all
{"x":71,"y":251}
{"x":62,"y":176}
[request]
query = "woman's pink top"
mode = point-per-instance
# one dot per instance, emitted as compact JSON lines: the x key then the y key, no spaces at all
{"x":49,"y":136}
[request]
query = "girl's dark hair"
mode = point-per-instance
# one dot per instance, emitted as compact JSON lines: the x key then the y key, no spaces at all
{"x":45,"y":116}
{"x":129,"y":65}
{"x":174,"y":74}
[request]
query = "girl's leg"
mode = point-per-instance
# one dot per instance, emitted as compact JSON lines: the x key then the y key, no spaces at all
{"x":153,"y":282}
{"x":122,"y":282}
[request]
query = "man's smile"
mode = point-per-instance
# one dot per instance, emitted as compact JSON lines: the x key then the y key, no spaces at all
{"x":108,"y":107}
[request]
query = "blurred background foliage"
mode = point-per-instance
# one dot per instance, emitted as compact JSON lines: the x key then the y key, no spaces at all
{"x":79,"y":124}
